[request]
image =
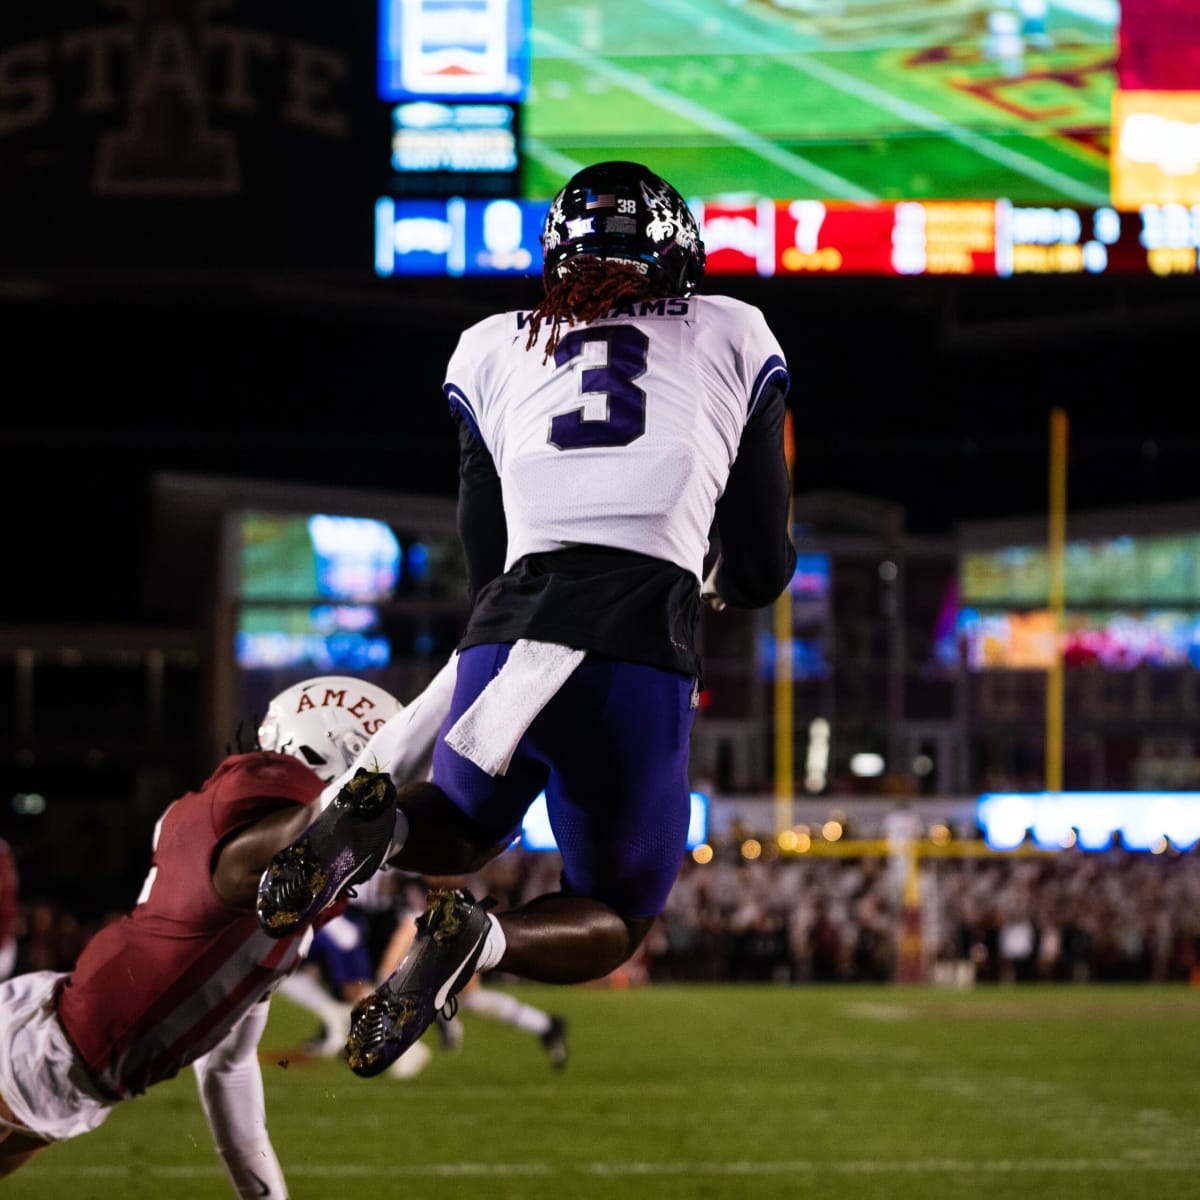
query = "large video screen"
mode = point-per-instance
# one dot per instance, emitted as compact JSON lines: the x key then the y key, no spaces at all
{"x":856,"y":101}
{"x":1149,"y":569}
{"x":309,"y":588}
{"x":1117,"y":640}
{"x":332,"y":592}
{"x":1131,"y":601}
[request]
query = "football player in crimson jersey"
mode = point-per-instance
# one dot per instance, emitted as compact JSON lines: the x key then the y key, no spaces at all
{"x":605,"y":437}
{"x":184,"y":978}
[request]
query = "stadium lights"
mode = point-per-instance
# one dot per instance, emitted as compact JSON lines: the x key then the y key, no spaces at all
{"x":866,"y":765}
{"x":1090,"y":820}
{"x":536,"y":833}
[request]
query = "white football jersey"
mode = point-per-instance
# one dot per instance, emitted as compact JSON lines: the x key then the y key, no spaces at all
{"x":625,"y":437}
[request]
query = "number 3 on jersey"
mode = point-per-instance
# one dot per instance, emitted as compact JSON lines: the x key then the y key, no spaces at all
{"x":625,"y":419}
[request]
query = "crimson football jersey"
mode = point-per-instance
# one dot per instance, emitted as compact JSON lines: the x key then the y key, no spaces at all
{"x":162,"y":985}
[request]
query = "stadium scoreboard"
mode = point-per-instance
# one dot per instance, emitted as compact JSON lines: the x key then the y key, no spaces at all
{"x":456,"y":76}
{"x":995,"y":238}
{"x":988,"y":238}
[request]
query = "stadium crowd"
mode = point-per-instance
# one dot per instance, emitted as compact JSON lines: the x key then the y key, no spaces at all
{"x":1073,"y":916}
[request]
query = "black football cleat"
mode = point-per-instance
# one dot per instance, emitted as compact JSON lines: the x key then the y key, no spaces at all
{"x":554,"y":1040}
{"x":439,"y":964}
{"x":346,"y":843}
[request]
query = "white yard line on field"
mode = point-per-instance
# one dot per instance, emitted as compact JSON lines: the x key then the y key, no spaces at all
{"x":920,"y":1166}
{"x":830,"y":185}
{"x":922,"y":118}
{"x":551,"y":159}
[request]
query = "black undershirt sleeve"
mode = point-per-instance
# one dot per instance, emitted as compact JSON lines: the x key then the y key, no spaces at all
{"x":757,"y":553}
{"x":481,"y":524}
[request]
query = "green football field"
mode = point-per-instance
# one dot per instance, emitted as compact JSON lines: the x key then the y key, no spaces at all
{"x":695,"y":1091}
{"x":826,"y":99}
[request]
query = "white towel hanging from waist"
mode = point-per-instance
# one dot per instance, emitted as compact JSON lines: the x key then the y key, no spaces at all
{"x":488,"y":732}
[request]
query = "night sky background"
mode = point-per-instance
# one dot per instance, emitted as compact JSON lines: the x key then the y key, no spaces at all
{"x":246,"y":334}
{"x":933,"y":395}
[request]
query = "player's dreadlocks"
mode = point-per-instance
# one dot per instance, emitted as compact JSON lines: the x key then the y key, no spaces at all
{"x":586,"y":290}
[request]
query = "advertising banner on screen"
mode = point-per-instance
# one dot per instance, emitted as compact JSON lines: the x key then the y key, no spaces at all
{"x":458,"y":236}
{"x":453,"y":49}
{"x":1156,"y":148}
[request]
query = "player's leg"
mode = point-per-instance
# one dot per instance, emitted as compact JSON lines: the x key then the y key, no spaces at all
{"x":17,"y":1147}
{"x":618,"y":800}
{"x":345,"y":959}
{"x":455,"y":934}
{"x":443,"y":840}
{"x":416,"y":1058}
{"x":335,"y":976}
{"x":496,"y":1005}
{"x":398,"y":945}
{"x":305,"y":988}
{"x":619,"y":804}
{"x":348,"y":841}
{"x":418,"y":830}
{"x":45,"y":1094}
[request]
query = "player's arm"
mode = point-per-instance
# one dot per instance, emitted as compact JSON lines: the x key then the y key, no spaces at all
{"x":481,"y":524}
{"x":241,"y":859}
{"x":403,"y":746}
{"x":230,"y":1083}
{"x":757,"y":555}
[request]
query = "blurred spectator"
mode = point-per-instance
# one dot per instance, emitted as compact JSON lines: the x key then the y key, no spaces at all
{"x":39,"y":948}
{"x":1016,"y":943}
{"x":1072,"y":916}
{"x":10,"y":910}
{"x":1067,"y":917}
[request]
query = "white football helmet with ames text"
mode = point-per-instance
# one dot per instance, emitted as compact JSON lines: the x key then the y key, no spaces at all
{"x":326,"y":721}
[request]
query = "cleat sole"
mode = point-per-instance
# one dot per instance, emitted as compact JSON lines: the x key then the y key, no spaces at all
{"x":346,"y":843}
{"x":376,"y":1038}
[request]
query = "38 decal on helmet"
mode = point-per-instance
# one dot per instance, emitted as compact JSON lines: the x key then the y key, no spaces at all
{"x":326,"y":721}
{"x":623,"y":211}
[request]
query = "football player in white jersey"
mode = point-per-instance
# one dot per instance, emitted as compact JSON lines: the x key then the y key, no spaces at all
{"x":602,"y":437}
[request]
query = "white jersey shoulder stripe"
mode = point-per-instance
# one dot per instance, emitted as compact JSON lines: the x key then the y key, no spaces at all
{"x":773,"y":371}
{"x":461,"y":406}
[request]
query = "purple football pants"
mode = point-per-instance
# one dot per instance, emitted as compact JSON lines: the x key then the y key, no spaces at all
{"x":610,"y":750}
